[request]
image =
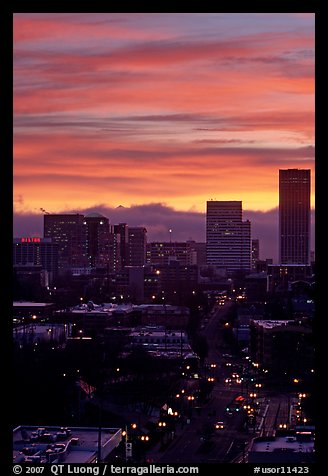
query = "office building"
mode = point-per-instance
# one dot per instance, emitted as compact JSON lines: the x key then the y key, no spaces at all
{"x":69,"y":232}
{"x":198,"y":253}
{"x":97,"y":240}
{"x":294,"y":216}
{"x":284,"y":347}
{"x":122,"y":230}
{"x":137,"y":243}
{"x":255,"y":253}
{"x":163,"y":253}
{"x":115,"y":261}
{"x":228,"y":238}
{"x":35,"y":253}
{"x":281,"y":277}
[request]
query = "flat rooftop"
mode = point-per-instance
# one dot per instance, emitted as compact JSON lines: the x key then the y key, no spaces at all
{"x":270,"y":324}
{"x":66,"y":445}
{"x":32,"y":304}
{"x":157,"y":333}
{"x":284,"y":443}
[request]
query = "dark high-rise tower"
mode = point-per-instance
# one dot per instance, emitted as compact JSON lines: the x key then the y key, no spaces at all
{"x":294,"y":216}
{"x":255,"y":252}
{"x":97,"y":240}
{"x":68,"y":231}
{"x":137,"y":246}
{"x":122,"y":229}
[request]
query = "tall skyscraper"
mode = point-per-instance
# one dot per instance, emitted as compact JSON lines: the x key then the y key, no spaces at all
{"x":97,"y":240}
{"x":294,"y":216}
{"x":122,"y":229}
{"x":137,"y":246}
{"x":228,"y":237}
{"x":69,"y":232}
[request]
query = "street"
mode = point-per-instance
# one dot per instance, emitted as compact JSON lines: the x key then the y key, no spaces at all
{"x":231,"y":443}
{"x":225,"y":444}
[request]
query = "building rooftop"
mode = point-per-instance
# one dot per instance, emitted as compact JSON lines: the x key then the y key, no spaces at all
{"x":284,"y":443}
{"x":270,"y":324}
{"x":63,"y":445}
{"x":94,"y":215}
{"x":109,"y":308}
{"x":31,"y":304}
{"x":158,"y":333}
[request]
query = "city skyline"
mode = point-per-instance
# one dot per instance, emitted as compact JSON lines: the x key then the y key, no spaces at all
{"x":159,"y":220}
{"x":160,"y":113}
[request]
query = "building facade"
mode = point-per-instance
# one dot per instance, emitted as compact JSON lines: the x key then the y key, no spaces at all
{"x":35,"y":253}
{"x":294,"y":216}
{"x":228,"y":237}
{"x":281,"y":277}
{"x":255,"y":252}
{"x":122,"y":229}
{"x":97,"y":240}
{"x":285,"y":348}
{"x":69,"y":232}
{"x":163,"y":253}
{"x":137,"y":246}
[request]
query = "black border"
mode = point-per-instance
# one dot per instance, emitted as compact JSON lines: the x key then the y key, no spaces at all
{"x":6,"y":78}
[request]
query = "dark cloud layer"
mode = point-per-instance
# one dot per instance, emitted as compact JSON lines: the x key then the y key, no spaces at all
{"x":159,"y":218}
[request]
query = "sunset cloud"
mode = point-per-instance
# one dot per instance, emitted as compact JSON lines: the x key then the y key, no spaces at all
{"x":172,"y":108}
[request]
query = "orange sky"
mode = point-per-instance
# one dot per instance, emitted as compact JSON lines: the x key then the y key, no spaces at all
{"x":147,"y":108}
